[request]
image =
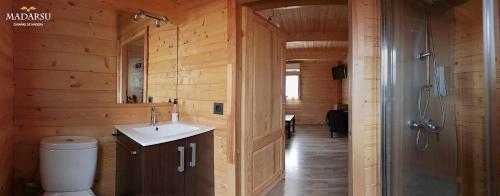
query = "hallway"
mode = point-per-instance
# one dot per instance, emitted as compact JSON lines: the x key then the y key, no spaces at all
{"x":315,"y":164}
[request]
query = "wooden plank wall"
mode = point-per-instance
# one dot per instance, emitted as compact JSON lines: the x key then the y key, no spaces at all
{"x":205,"y":77}
{"x":162,"y":55}
{"x":364,"y":107}
{"x":345,"y":90}
{"x":467,"y":55}
{"x":6,"y":100}
{"x":65,"y":77}
{"x":319,"y":93}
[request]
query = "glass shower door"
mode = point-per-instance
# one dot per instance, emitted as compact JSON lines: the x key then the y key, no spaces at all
{"x":422,"y":163}
{"x":492,"y":53}
{"x":433,"y":98}
{"x":462,"y":39}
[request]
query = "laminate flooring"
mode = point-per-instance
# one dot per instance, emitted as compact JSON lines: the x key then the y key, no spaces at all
{"x":315,"y":163}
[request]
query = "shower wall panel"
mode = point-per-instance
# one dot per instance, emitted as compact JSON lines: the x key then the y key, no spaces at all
{"x":469,"y":100}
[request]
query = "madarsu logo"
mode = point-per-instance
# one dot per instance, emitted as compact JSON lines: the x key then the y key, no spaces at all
{"x":28,"y":17}
{"x":28,"y":9}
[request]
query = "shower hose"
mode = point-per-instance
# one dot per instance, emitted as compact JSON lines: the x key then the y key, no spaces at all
{"x":424,"y":131}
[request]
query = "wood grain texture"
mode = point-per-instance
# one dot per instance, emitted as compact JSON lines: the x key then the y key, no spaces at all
{"x":66,"y":85}
{"x":467,"y":56}
{"x":287,"y":4}
{"x":316,"y":54}
{"x":262,"y":110}
{"x":205,"y":77}
{"x":313,"y":18}
{"x":345,"y":90}
{"x":200,"y":178}
{"x":6,"y":106}
{"x":319,"y":93}
{"x":317,"y":36}
{"x":364,"y":107}
{"x":162,"y":54}
{"x":332,"y":45}
{"x":318,"y":26}
{"x":167,"y":8}
{"x":315,"y":164}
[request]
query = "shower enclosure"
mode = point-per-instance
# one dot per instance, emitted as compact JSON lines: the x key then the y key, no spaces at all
{"x":438,"y":77}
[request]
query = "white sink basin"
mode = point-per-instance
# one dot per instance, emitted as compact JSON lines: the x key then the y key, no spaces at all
{"x":146,"y":134}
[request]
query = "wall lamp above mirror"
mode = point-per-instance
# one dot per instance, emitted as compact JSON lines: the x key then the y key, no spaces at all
{"x":141,"y":14}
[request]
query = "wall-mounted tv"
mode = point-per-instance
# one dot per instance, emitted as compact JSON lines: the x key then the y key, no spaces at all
{"x":339,"y":72}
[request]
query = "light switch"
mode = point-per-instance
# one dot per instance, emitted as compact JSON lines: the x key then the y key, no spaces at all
{"x":219,"y":108}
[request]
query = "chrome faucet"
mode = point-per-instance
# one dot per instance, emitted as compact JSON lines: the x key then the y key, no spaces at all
{"x":154,"y":114}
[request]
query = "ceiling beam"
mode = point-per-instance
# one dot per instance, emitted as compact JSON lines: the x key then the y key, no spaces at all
{"x":317,"y":36}
{"x":258,"y":5}
{"x":315,"y":54}
{"x":167,"y":8}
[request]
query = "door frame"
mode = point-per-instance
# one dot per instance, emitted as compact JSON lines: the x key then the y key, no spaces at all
{"x":365,"y":181}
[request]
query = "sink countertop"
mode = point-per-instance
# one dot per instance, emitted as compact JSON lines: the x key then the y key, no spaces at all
{"x":147,"y":135}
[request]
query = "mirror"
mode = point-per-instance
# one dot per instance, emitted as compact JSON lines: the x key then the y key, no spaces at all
{"x":133,"y":66}
{"x":147,"y":66}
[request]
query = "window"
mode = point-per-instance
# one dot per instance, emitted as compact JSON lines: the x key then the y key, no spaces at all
{"x":292,"y":82}
{"x":292,"y":87}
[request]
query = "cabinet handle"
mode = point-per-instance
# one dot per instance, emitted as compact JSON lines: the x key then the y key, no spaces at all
{"x":193,"y":154}
{"x":180,"y":168}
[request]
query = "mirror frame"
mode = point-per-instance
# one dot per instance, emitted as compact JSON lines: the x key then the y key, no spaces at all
{"x":122,"y":79}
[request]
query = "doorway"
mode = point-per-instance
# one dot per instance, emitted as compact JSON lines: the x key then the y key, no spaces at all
{"x":310,"y":52}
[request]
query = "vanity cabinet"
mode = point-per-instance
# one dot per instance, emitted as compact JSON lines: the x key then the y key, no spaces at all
{"x":180,"y":167}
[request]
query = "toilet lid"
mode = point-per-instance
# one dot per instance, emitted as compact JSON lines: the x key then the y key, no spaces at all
{"x":68,"y":143}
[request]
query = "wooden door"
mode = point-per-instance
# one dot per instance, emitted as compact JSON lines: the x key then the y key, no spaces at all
{"x":200,"y":165}
{"x":262,"y":111}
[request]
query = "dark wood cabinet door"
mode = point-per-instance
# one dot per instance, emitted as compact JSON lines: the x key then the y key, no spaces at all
{"x":163,"y":172}
{"x":128,"y":166}
{"x":200,"y":165}
{"x":177,"y":168}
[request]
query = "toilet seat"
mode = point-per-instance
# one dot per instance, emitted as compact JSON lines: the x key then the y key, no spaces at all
{"x":76,"y":193}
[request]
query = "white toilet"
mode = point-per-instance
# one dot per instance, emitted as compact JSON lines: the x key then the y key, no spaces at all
{"x":67,"y":165}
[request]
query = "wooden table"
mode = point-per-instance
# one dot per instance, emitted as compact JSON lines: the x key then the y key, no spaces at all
{"x":289,"y":124}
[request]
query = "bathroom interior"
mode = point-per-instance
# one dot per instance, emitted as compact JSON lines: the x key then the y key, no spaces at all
{"x":85,"y":71}
{"x":422,"y":89}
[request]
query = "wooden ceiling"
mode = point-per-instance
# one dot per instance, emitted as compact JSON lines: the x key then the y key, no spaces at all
{"x":316,"y":18}
{"x":167,"y":8}
{"x":316,"y":44}
{"x":308,"y":24}
{"x":314,"y":25}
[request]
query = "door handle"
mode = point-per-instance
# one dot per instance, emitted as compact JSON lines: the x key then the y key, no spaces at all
{"x":180,"y":168}
{"x":193,"y":154}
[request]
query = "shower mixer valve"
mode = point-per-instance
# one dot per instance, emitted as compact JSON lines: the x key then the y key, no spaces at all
{"x":428,"y":125}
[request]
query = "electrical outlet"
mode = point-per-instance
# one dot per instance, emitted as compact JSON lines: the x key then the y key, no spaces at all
{"x":219,"y":108}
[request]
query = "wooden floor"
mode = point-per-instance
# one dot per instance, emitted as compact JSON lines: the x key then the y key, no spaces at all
{"x":315,"y":164}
